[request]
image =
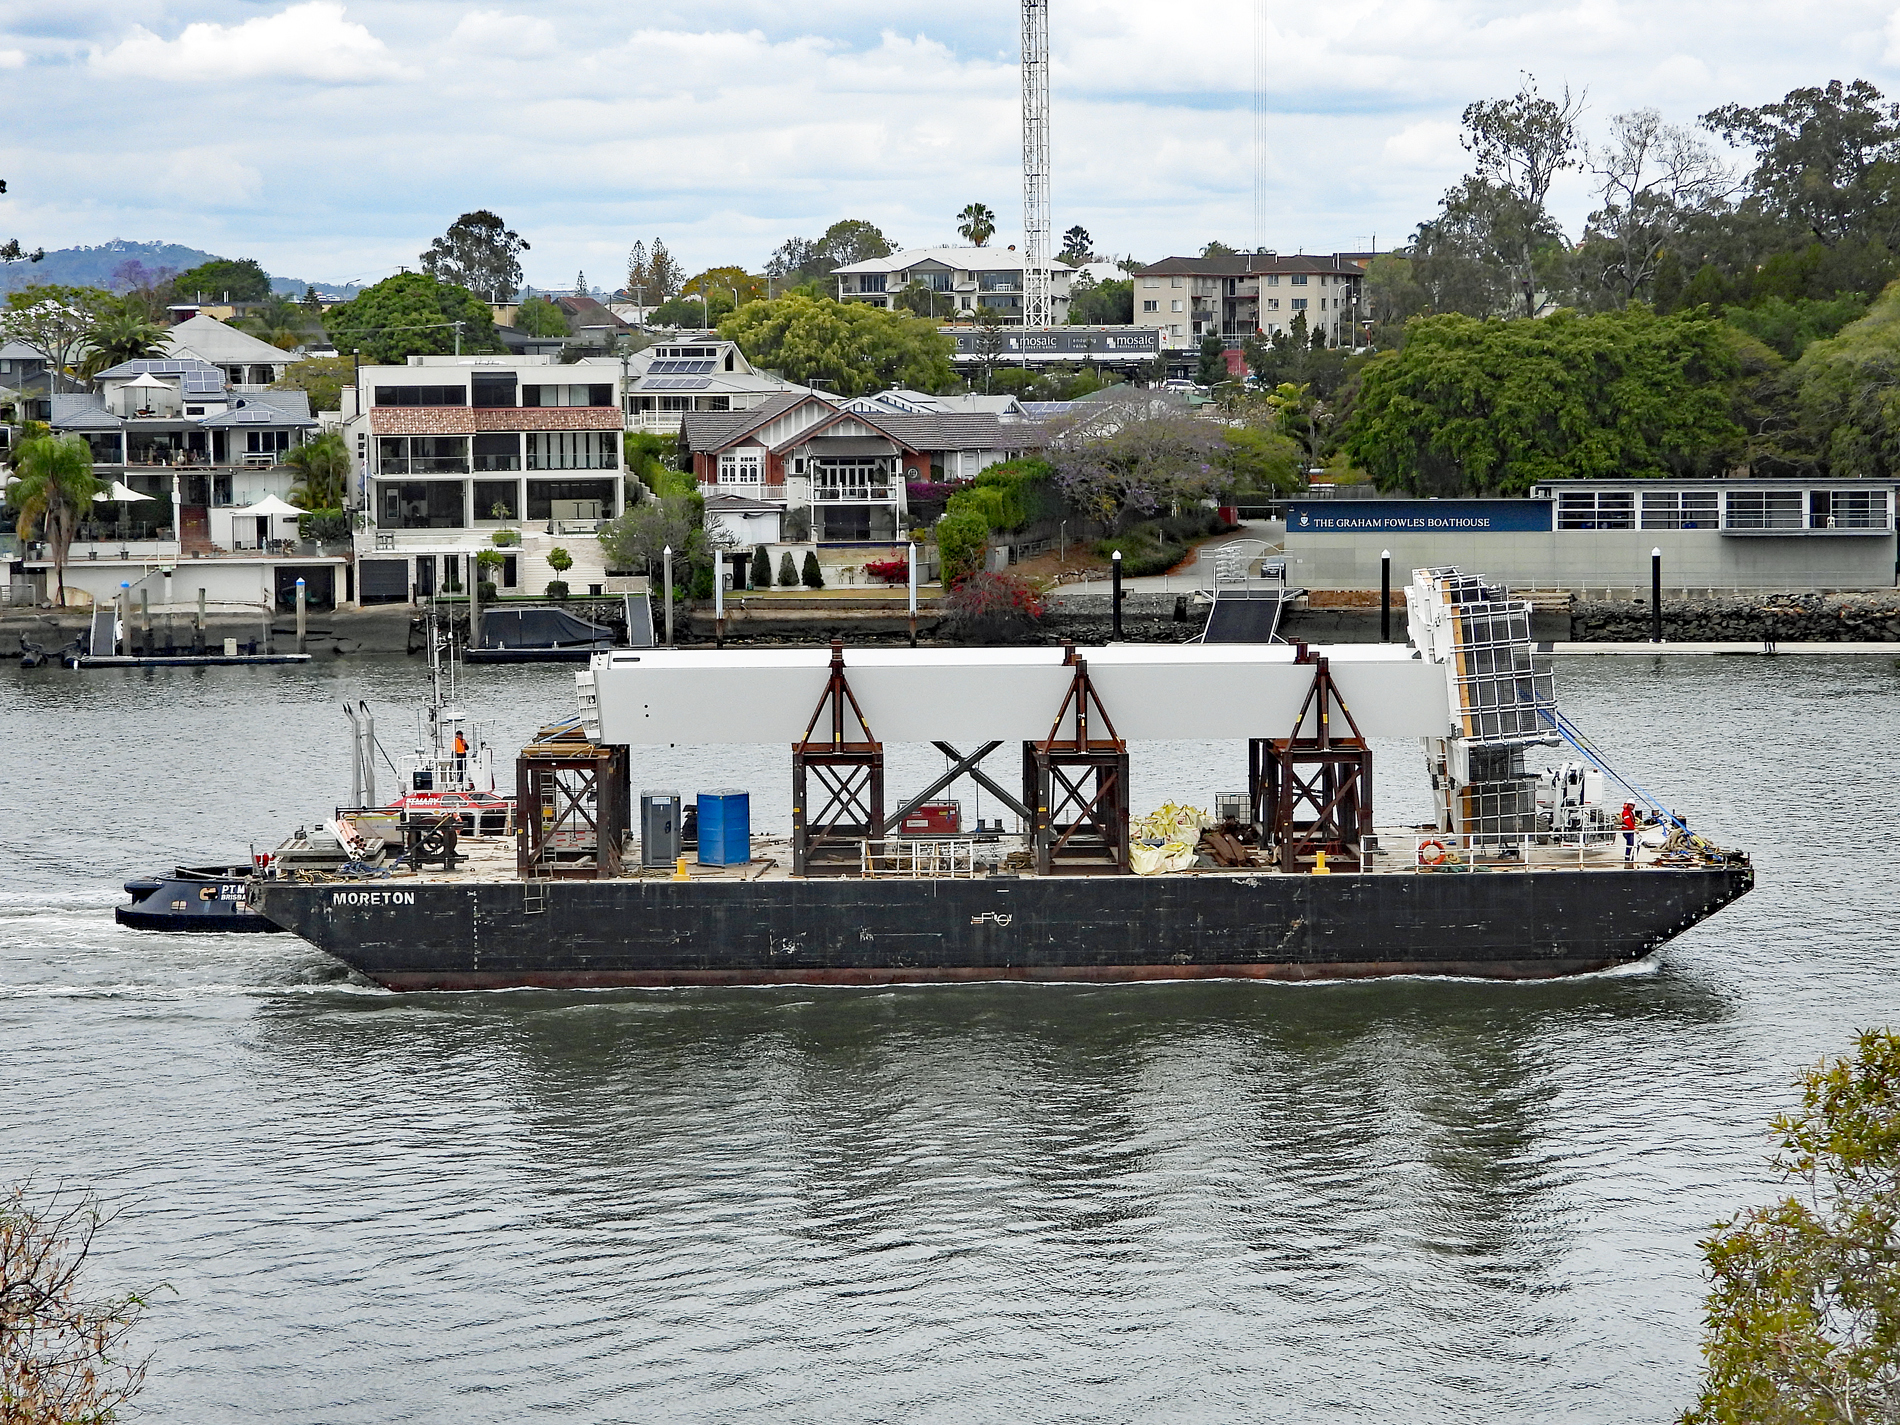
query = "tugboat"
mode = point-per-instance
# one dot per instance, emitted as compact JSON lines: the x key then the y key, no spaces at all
{"x":448,"y":790}
{"x":1525,"y":872}
{"x":215,"y":898}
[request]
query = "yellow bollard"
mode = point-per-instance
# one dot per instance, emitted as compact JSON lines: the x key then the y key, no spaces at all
{"x":679,"y":870}
{"x":1319,"y":864}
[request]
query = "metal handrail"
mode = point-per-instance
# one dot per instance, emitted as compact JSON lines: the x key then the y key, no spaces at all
{"x":1451,"y":851}
{"x":916,"y":859}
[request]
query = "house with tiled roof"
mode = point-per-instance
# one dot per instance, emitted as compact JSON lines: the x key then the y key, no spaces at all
{"x":847,"y":467}
{"x":1246,"y":294}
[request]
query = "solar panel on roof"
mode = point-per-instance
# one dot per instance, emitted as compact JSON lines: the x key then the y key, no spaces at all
{"x":677,"y":383}
{"x":679,"y":368}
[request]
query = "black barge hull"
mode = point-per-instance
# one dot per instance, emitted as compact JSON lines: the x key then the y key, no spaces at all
{"x":419,"y":935}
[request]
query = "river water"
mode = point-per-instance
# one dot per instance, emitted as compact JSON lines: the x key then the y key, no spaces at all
{"x":1411,"y":1200}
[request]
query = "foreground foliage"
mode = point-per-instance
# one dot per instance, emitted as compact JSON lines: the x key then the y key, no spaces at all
{"x":1803,"y":1316}
{"x":64,"y":1357}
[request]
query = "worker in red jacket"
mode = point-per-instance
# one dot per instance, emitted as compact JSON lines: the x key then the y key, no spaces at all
{"x":1629,"y":831}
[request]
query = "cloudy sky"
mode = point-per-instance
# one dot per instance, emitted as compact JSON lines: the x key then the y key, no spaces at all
{"x":332,"y":140}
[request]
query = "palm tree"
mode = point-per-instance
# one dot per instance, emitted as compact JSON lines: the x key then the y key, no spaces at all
{"x":279,"y":321}
{"x":53,"y":492}
{"x":121,"y":331}
{"x":977,"y":223}
{"x":323,"y":472}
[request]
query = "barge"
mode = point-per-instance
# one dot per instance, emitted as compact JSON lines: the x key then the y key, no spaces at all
{"x":1528,"y":871}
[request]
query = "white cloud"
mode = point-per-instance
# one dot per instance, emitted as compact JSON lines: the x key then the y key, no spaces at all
{"x":1430,"y":143}
{"x":490,"y":34}
{"x":1891,"y":58}
{"x":12,"y":59}
{"x":312,"y":40}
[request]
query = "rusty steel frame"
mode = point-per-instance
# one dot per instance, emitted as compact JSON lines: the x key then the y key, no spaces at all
{"x":1057,"y":783}
{"x":849,"y":774}
{"x":1326,"y":809}
{"x":563,"y":774}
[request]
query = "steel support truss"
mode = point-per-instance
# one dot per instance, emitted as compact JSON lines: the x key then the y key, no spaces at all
{"x":1312,"y":792}
{"x":1075,"y":784}
{"x":572,"y":816}
{"x":837,"y":784}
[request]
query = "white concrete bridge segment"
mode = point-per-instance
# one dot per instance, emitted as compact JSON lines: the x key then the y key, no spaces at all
{"x":1165,"y":692}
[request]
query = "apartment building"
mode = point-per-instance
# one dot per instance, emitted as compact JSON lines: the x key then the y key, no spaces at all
{"x":1249,"y":293}
{"x":964,"y":278}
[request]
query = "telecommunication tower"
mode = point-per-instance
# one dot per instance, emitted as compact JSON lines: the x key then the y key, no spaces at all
{"x":1036,"y":304}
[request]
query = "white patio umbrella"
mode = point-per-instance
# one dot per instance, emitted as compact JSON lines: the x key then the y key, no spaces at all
{"x":119,"y":491}
{"x":272,"y":506}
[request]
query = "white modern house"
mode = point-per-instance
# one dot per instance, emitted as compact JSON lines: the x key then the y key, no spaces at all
{"x":963,"y":278}
{"x":246,"y":362}
{"x":452,"y":448}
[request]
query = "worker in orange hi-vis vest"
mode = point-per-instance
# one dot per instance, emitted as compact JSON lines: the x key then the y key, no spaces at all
{"x":461,"y":757}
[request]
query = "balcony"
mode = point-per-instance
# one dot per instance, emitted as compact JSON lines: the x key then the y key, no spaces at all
{"x":426,"y":465}
{"x":854,"y":494}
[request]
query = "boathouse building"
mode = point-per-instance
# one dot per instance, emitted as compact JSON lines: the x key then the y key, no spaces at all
{"x":1742,"y":534}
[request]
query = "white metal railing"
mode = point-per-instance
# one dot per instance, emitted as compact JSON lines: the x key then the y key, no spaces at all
{"x":1452,"y":851}
{"x":916,"y":859}
{"x":847,"y":494}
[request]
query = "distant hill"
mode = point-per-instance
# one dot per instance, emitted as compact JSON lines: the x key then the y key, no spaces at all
{"x":96,"y":267}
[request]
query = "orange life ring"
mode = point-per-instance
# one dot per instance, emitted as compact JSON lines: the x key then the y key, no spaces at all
{"x":1436,"y":845}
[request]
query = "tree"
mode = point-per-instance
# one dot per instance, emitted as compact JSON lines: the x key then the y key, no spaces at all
{"x":1217,"y":249}
{"x":1469,"y":407}
{"x":52,"y":494}
{"x":63,"y":1348}
{"x":322,"y":378}
{"x":846,"y":241}
{"x":989,"y":341}
{"x":1802,"y":1321}
{"x":1102,"y":304}
{"x":1826,"y":159}
{"x":663,"y":272}
{"x":323,"y":472}
{"x":1302,"y":416}
{"x":1393,"y":294}
{"x":761,"y":568}
{"x":1077,"y":245}
{"x":1520,"y":145}
{"x":813,"y":576}
{"x":1261,"y":460}
{"x":53,"y":320}
{"x":279,"y":321}
{"x":976,"y":223}
{"x":1129,"y":459}
{"x":10,"y":250}
{"x":224,"y":280}
{"x":1649,"y":177}
{"x":787,"y":573}
{"x":1455,"y":259}
{"x":1211,"y":368}
{"x":580,"y":284}
{"x":537,"y":316}
{"x":639,"y":537}
{"x":120,"y":331}
{"x":560,"y":561}
{"x":701,"y":310}
{"x":411,"y":314}
{"x":727,"y":280}
{"x":963,"y":537}
{"x":852,"y":346}
{"x":479,"y":252}
{"x":1849,"y":394}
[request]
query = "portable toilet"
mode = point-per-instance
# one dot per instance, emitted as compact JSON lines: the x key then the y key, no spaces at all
{"x":725,"y":828}
{"x":659,"y":828}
